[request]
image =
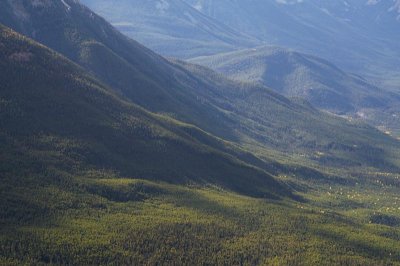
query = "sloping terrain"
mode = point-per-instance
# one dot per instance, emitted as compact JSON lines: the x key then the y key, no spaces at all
{"x":87,"y":39}
{"x":89,"y":177}
{"x":71,"y":154}
{"x":55,"y":117}
{"x":249,"y":115}
{"x":311,"y":78}
{"x":170,"y":27}
{"x":359,"y":36}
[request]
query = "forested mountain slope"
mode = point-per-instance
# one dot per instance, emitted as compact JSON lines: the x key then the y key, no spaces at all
{"x":73,"y":152}
{"x":56,"y":118}
{"x":316,"y":80}
{"x":119,"y":156}
{"x":244,"y":113}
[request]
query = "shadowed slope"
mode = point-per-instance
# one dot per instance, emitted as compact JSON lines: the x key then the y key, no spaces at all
{"x":56,"y":117}
{"x":244,"y":113}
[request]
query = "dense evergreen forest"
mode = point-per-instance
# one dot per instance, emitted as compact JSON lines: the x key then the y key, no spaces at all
{"x":113,"y":155}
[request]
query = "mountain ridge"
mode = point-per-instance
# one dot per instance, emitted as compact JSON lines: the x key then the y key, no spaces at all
{"x":111,"y":154}
{"x":113,"y":135}
{"x":346,"y":33}
{"x":295,"y":74}
{"x":246,"y":114}
{"x":172,"y":28}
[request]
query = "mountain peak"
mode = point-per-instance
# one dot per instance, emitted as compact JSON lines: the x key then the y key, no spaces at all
{"x":22,"y":9}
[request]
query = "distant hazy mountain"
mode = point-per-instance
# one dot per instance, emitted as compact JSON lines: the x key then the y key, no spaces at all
{"x":296,"y":74}
{"x":321,"y":83}
{"x":170,"y":27}
{"x":360,"y":35}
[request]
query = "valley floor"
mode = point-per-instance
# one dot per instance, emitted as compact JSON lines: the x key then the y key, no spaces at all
{"x":136,"y":222}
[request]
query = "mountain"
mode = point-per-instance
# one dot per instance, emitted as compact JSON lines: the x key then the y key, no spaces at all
{"x":170,"y":27}
{"x":85,"y":38}
{"x":359,"y":36}
{"x":117,"y":156}
{"x":251,"y":116}
{"x":295,"y":74}
{"x":72,"y":154}
{"x":56,"y":116}
{"x":69,"y":145}
{"x":343,"y":93}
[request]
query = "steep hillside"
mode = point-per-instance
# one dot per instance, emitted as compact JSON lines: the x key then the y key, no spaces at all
{"x":249,"y":115}
{"x":72,"y":153}
{"x":89,"y":177}
{"x":293,"y":126}
{"x":170,"y":27}
{"x":308,"y":77}
{"x":133,"y":70}
{"x":54,"y":118}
